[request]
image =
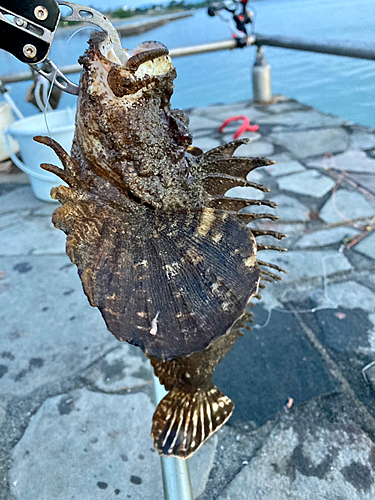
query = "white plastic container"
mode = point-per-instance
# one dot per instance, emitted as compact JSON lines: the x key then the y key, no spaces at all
{"x":61,"y":128}
{"x":6,"y":119}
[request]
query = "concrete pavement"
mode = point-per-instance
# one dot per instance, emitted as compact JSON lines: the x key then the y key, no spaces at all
{"x":76,"y":406}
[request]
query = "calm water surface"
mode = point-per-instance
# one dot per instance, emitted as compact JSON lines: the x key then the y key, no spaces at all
{"x":338,"y":85}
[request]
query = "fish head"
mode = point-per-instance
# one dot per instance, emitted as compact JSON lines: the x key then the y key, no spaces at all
{"x":147,"y":66}
{"x":124,"y":109}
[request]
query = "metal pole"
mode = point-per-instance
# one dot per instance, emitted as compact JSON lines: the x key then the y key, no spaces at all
{"x":203,"y":48}
{"x":346,"y":48}
{"x":177,"y":52}
{"x":175,"y":472}
{"x":12,"y":104}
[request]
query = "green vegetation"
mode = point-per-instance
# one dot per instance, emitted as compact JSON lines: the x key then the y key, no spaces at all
{"x":182,"y":5}
{"x":122,"y":13}
{"x":172,"y":6}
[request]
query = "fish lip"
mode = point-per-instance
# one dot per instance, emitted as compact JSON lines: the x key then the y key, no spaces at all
{"x":147,"y":63}
{"x":144,"y":52}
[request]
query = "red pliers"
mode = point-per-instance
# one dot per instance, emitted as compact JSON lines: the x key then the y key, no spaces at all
{"x":245,"y":127}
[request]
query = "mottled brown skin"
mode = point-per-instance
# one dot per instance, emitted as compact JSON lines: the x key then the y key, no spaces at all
{"x":160,"y":250}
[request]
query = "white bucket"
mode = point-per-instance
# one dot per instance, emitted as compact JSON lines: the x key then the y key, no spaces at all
{"x":6,"y":119}
{"x":61,"y":128}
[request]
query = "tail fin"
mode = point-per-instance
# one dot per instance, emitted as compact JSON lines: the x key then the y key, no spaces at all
{"x":184,"y":420}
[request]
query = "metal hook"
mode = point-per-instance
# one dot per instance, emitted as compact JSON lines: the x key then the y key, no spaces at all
{"x":57,"y":78}
{"x":81,"y":13}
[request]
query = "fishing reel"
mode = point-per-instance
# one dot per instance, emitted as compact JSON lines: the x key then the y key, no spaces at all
{"x":215,"y":7}
{"x":241,"y":15}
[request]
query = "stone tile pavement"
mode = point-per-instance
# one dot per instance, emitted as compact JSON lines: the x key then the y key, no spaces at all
{"x":76,"y":406}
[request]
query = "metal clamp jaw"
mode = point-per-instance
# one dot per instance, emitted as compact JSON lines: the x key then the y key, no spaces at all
{"x":28,"y":27}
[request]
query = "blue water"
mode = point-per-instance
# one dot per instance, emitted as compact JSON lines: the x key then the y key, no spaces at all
{"x":338,"y":85}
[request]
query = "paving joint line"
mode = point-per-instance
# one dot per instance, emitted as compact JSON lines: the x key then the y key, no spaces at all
{"x":270,"y":424}
{"x":4,"y":256}
{"x":73,"y":382}
{"x":335,"y":370}
{"x":119,"y":392}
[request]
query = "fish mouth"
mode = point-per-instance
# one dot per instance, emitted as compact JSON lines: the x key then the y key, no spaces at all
{"x":148,"y":60}
{"x":144,"y":52}
{"x":107,"y":50}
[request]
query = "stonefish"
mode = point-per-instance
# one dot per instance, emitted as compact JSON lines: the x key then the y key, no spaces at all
{"x":161,"y":251}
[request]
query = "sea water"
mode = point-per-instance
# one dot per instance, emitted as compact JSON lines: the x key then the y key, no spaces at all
{"x":339,"y":85}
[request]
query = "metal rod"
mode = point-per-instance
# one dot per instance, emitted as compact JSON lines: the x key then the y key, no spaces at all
{"x":5,"y":92}
{"x":13,"y":105}
{"x":175,"y":472}
{"x":178,"y":52}
{"x":203,"y":48}
{"x":345,"y":48}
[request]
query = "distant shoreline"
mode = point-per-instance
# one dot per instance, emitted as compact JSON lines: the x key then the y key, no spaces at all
{"x":130,"y":28}
{"x":143,"y":27}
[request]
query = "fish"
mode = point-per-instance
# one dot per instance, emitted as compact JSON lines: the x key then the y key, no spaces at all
{"x":162,"y":252}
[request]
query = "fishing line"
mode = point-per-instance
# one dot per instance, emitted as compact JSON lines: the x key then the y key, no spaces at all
{"x":46,"y":97}
{"x":41,"y":87}
{"x":46,"y":104}
{"x":229,"y":22}
{"x":253,"y":9}
{"x":37,"y":94}
{"x":328,"y":302}
{"x":46,"y":101}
